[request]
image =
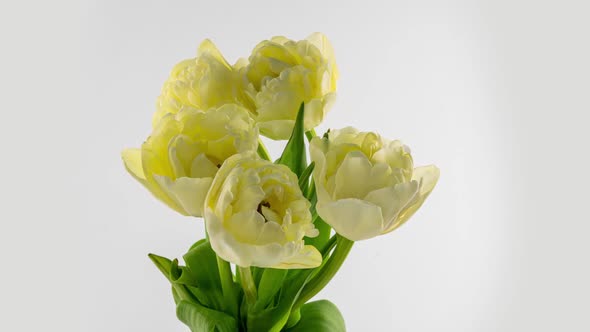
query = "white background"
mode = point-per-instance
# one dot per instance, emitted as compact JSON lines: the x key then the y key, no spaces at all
{"x":496,"y":93}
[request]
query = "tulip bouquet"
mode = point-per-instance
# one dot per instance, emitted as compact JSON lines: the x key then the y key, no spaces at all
{"x":276,"y":231}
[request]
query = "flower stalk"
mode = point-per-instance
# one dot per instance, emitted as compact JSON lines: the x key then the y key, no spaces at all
{"x":248,"y":285}
{"x":227,"y":285}
{"x":327,"y":272}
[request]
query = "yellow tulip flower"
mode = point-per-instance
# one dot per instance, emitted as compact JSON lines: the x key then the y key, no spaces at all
{"x":366,"y":185}
{"x":179,"y":160}
{"x":201,"y":83}
{"x":282,"y":73}
{"x":256,"y":215}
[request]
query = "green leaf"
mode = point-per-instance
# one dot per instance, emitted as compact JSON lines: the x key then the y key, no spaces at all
{"x":162,"y":263}
{"x":198,"y":286}
{"x":304,"y":178}
{"x":324,"y":229}
{"x":274,"y":318}
{"x":177,"y":297}
{"x":262,"y":151}
{"x":294,"y":318}
{"x":181,"y":293}
{"x":270,"y":283}
{"x":186,"y":285}
{"x":201,"y":272}
{"x":256,"y":274}
{"x":199,"y":318}
{"x":175,"y":271}
{"x":319,"y":316}
{"x":198,"y":243}
{"x":294,"y":155}
{"x":202,"y":263}
{"x":183,"y":285}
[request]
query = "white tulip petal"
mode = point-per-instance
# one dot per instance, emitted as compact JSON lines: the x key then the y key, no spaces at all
{"x":308,"y":257}
{"x":221,"y":149}
{"x":189,"y":193}
{"x":270,"y":232}
{"x":202,"y":167}
{"x":344,"y":135}
{"x":272,"y":255}
{"x":380,"y":176}
{"x":393,"y":200}
{"x":134,"y":164}
{"x":353,"y":176}
{"x":249,"y":198}
{"x":182,"y":152}
{"x":223,"y":242}
{"x":427,"y":177}
{"x":352,"y":218}
{"x":132,"y":160}
{"x":245,"y":226}
{"x":316,"y":109}
{"x":276,"y":129}
{"x":397,"y":156}
{"x":270,"y":215}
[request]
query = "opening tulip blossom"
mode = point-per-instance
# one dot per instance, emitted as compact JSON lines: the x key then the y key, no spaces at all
{"x":256,"y":215}
{"x":179,"y":160}
{"x":366,"y":185}
{"x":281,"y":73}
{"x":200,"y":83}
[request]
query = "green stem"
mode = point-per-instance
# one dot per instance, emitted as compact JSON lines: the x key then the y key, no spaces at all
{"x":248,"y":285}
{"x":262,"y":151}
{"x":328,"y":271}
{"x":227,"y":285}
{"x":310,"y":134}
{"x":328,"y":246}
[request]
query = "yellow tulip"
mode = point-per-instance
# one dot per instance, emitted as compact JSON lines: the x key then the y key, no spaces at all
{"x":366,"y":185}
{"x":256,"y":215}
{"x":281,"y":73}
{"x":204,"y":82}
{"x":179,"y":160}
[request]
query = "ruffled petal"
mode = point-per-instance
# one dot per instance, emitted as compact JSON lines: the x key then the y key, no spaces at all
{"x":308,"y":257}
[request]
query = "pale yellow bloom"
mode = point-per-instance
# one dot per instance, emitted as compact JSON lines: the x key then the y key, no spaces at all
{"x":204,"y":82}
{"x":366,"y":185}
{"x":179,"y":160}
{"x":256,"y":215}
{"x":281,"y":74}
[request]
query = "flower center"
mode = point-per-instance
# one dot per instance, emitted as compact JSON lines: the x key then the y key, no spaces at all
{"x":269,"y":214}
{"x":261,"y":204}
